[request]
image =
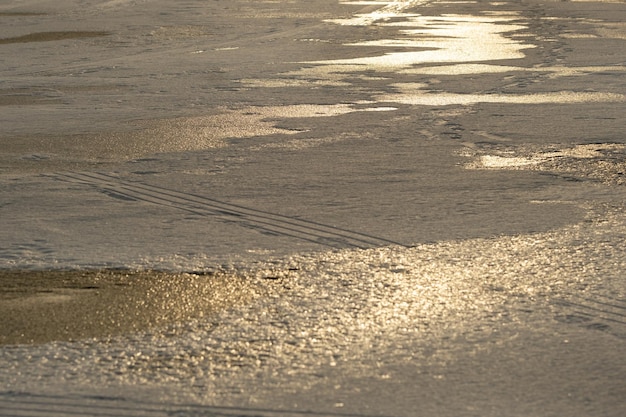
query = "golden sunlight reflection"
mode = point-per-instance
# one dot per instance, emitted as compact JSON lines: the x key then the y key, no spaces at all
{"x":447,"y":38}
{"x":389,"y":9}
{"x":598,"y":161}
{"x":203,"y":132}
{"x":552,"y":71}
{"x":149,"y":137}
{"x":79,"y":304}
{"x":340,"y":308}
{"x":411,"y":96}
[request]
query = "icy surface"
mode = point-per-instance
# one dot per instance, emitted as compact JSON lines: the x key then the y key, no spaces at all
{"x":429,"y":194}
{"x":419,"y":322}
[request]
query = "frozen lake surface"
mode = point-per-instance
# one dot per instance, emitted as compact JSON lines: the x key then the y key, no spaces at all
{"x":425,"y":197}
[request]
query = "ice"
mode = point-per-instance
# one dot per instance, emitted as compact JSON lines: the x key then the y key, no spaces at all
{"x":375,"y":318}
{"x":426,"y":198}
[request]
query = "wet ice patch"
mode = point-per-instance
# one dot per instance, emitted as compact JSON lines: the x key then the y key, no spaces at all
{"x":348,"y":309}
{"x":552,"y":71}
{"x":494,"y":161}
{"x":447,"y":38}
{"x":408,"y":94}
{"x":604,"y":162}
{"x":461,"y":69}
{"x":149,"y":137}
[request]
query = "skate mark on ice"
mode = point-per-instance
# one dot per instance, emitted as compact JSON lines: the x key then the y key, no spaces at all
{"x":262,"y":221}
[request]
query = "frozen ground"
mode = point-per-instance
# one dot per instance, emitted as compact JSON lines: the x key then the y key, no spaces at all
{"x":429,"y":196}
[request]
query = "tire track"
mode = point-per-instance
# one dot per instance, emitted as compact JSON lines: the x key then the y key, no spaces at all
{"x":25,"y":404}
{"x":599,"y":312}
{"x":262,"y":221}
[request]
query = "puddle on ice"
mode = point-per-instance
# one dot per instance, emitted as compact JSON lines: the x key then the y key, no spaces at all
{"x":456,"y":39}
{"x":211,"y":131}
{"x":494,"y":161}
{"x":195,"y":133}
{"x":444,"y":99}
{"x":446,"y":38}
{"x":453,"y":45}
{"x":553,"y":72}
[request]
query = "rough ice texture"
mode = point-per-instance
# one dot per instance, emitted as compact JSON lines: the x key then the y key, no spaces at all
{"x":431,"y":236}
